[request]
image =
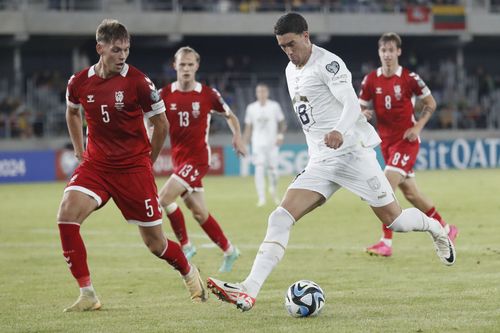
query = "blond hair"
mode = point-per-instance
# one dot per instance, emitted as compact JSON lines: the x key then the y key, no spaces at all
{"x":111,"y":30}
{"x":185,"y":50}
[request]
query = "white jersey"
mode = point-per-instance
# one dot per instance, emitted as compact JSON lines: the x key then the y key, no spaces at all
{"x":264,"y":120}
{"x":324,"y":99}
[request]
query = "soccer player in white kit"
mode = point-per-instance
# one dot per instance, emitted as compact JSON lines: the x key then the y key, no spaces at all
{"x":265,"y":123}
{"x":340,"y":143}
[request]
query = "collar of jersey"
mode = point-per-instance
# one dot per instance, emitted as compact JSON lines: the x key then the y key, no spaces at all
{"x":123,"y":72}
{"x":399,"y":71}
{"x":197,"y":87}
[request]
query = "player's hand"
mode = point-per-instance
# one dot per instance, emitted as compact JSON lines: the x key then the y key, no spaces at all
{"x":411,"y":134}
{"x":239,"y":146}
{"x":334,"y":139}
{"x":367,"y":113}
{"x":79,"y":157}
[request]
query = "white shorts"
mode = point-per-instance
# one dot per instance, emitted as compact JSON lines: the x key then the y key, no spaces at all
{"x":357,"y":171}
{"x":265,"y":155}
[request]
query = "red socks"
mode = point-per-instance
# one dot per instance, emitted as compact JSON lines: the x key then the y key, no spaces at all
{"x":174,"y":256}
{"x":213,"y":230}
{"x":74,"y":252}
{"x":179,"y":226}
{"x":433,"y":213}
{"x":387,"y":232}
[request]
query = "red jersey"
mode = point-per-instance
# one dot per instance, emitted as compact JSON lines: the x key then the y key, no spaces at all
{"x":188,"y":113}
{"x":392,"y":99}
{"x":114,"y":111}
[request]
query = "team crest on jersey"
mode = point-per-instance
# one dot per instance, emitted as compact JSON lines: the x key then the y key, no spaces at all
{"x":378,"y":90}
{"x":173,"y":106}
{"x":374,"y":183}
{"x":196,"y":109}
{"x":119,"y":100}
{"x":397,"y":91}
{"x":333,"y":67}
{"x":90,"y":99}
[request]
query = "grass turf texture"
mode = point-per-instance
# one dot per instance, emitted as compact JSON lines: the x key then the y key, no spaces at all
{"x":409,"y":292}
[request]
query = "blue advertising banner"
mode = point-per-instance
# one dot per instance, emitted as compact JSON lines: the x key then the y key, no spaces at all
{"x":27,"y":166}
{"x":459,"y":154}
{"x":448,"y":154}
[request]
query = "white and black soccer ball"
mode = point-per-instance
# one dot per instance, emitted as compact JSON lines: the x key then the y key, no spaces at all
{"x":304,"y":298}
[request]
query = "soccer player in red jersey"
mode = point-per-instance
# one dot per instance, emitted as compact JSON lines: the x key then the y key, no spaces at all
{"x":391,"y":89}
{"x":117,"y":161}
{"x":189,"y":107}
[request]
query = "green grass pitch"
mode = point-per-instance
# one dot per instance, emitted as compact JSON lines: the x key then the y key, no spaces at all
{"x":409,"y":292}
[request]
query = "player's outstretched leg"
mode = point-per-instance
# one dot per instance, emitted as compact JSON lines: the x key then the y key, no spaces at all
{"x":234,"y":293}
{"x":412,"y":219}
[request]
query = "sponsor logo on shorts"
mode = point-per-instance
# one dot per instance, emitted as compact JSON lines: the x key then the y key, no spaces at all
{"x":374,"y":183}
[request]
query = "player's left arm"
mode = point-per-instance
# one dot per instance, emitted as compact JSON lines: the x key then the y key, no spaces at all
{"x":221,"y":107}
{"x":160,"y":130}
{"x":419,"y":88}
{"x":339,"y":81}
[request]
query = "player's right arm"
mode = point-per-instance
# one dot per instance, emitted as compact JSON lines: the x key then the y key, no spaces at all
{"x":74,"y":118}
{"x":75,"y":127}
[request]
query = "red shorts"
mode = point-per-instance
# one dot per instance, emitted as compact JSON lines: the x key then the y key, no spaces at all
{"x":400,"y":156}
{"x":135,"y":193}
{"x":190,"y":174}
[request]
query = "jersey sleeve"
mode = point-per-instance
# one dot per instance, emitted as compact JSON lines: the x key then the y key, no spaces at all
{"x":217,"y":102}
{"x":149,"y":98}
{"x":334,"y":73}
{"x":418,"y":86}
{"x":366,"y":92}
{"x":72,"y":100}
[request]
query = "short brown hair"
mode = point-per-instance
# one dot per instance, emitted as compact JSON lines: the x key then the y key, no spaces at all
{"x":390,"y":37}
{"x":290,"y":22}
{"x":187,"y":49}
{"x":111,"y":30}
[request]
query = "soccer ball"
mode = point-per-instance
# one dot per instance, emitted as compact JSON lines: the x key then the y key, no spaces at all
{"x":304,"y":298}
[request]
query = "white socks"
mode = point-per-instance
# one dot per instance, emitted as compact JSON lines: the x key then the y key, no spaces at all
{"x":260,"y":182}
{"x":412,"y":219}
{"x":271,"y":250}
{"x":87,"y":290}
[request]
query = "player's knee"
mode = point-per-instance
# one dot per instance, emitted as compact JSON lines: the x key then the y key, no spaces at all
{"x":165,"y":201}
{"x":156,"y":246}
{"x":169,"y":208}
{"x":278,"y":226}
{"x":200,"y":216}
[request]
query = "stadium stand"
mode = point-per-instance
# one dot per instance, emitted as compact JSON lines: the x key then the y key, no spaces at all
{"x":460,"y":67}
